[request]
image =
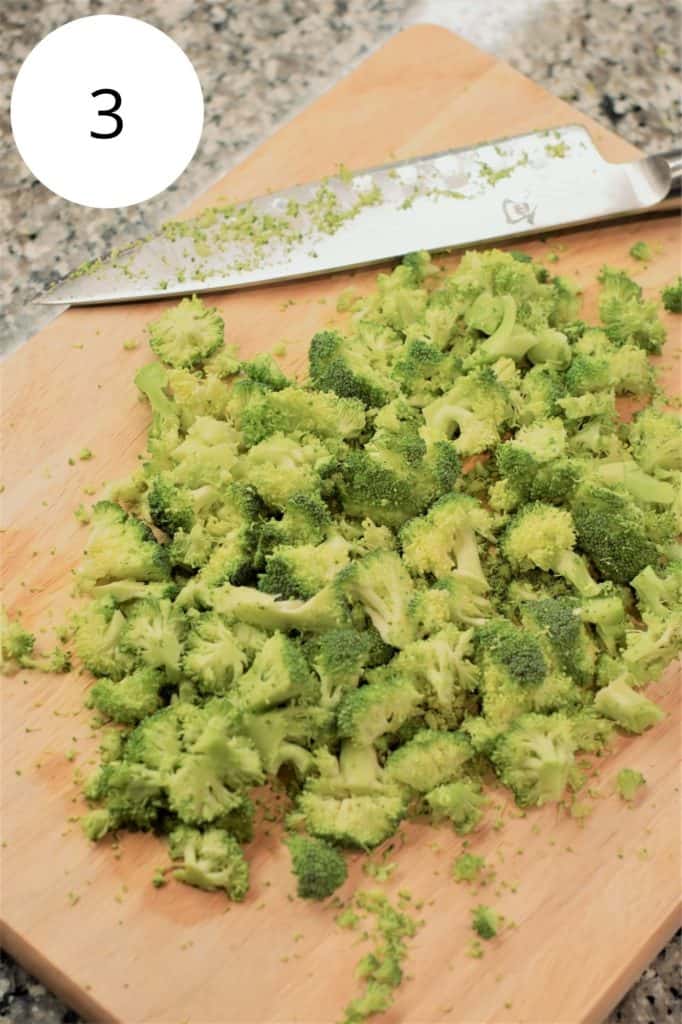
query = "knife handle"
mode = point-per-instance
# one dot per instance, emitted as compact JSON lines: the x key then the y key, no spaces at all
{"x":673,"y":200}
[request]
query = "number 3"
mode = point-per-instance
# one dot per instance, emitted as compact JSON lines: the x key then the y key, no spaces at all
{"x":116,"y":96}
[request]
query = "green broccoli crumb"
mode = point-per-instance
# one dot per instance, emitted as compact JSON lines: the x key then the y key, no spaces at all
{"x":467,"y":867}
{"x":671,"y":296}
{"x":629,"y":782}
{"x":641,"y":251}
{"x":485,"y":922}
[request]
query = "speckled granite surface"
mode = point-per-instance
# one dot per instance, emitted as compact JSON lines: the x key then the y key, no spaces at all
{"x":258,"y":63}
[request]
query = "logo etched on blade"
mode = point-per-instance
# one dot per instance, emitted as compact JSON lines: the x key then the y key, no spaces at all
{"x":516,"y":212}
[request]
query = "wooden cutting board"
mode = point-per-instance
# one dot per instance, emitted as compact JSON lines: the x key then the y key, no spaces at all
{"x":592,"y":903}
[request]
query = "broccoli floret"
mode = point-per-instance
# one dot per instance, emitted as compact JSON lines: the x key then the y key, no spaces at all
{"x":442,"y":671}
{"x":535,"y":758}
{"x":120,"y":548}
{"x":302,"y":570}
{"x":471,"y":414}
{"x":659,"y":595}
{"x":322,"y":413}
{"x":590,"y":731}
{"x":656,"y":440}
{"x":156,"y":742}
{"x":540,"y":390}
{"x":214,"y":658}
{"x":455,"y":598}
{"x":187,"y":334}
{"x":380,"y":707}
{"x":627,"y":708}
{"x":154,"y":633}
{"x":512,"y":668}
{"x":132,"y":795}
{"x":611,"y":530}
{"x":416,"y":368}
{"x":284,"y":736}
{"x":533,"y":464}
{"x":207,"y":455}
{"x":351,"y":801}
{"x":224,"y":544}
{"x":648,"y":652}
{"x":627,"y":318}
{"x":264,"y":370}
{"x":510,"y":654}
{"x":129,"y":699}
{"x":97,"y":823}
{"x":282,"y":466}
{"x":319,"y":868}
{"x":396,"y":475}
{"x":606,"y":612}
{"x":306,"y":520}
{"x":485,"y":922}
{"x":350,"y":368}
{"x":98,"y":630}
{"x":216,"y":768}
{"x":210,"y":860}
{"x":629,"y":782}
{"x":445,"y":539}
{"x":641,"y":251}
{"x":381,"y":585}
{"x":429,"y":759}
{"x":339,"y":658}
{"x":460,"y":802}
{"x":671,"y":296}
{"x":325,"y":611}
{"x":557,"y":623}
{"x":17,"y":643}
{"x":544,"y":536}
{"x":173,"y":507}
{"x":279,"y":673}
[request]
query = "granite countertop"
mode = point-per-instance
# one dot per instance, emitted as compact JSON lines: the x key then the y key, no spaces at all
{"x":258,"y":63}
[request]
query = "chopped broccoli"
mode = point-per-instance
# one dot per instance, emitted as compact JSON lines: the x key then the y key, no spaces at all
{"x":535,"y":758}
{"x":380,"y":584}
{"x":318,"y":867}
{"x":544,"y":536}
{"x":671,"y":296}
{"x":120,"y":548}
{"x":627,"y":318}
{"x":485,"y":922}
{"x":429,"y":759}
{"x":629,"y":782}
{"x":627,"y":708}
{"x":445,"y":539}
{"x":304,"y":587}
{"x":460,"y":802}
{"x":187,"y":334}
{"x":611,"y":530}
{"x":467,"y":867}
{"x":209,"y":860}
{"x":641,"y":251}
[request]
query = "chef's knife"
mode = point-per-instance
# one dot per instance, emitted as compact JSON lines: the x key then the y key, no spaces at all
{"x":518,"y":186}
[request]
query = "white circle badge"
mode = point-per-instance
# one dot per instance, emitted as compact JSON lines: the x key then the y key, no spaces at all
{"x":107,"y":111}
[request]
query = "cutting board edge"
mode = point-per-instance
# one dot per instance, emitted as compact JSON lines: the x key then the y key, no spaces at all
{"x":607,"y":1000}
{"x":52,"y":977}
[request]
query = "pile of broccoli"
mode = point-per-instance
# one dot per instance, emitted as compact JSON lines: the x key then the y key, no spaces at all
{"x":441,"y":558}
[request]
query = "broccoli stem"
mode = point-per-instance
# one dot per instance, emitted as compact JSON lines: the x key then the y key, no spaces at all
{"x":572,"y":567}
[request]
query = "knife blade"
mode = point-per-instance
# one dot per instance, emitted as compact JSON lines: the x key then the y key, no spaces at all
{"x":529,"y":184}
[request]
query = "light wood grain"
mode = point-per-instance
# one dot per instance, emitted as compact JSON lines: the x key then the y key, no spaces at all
{"x":591,"y":906}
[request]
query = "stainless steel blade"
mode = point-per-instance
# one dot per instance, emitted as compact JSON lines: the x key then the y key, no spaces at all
{"x":528,"y":184}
